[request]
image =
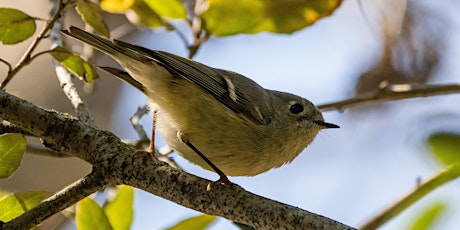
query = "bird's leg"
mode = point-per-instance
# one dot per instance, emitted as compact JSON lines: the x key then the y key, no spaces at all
{"x":154,"y":125}
{"x":222,"y":177}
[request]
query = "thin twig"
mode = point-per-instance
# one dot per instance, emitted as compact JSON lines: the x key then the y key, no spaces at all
{"x":394,"y":92}
{"x":7,"y":64}
{"x":70,"y":195}
{"x":181,"y":35}
{"x":446,"y":175}
{"x":197,"y":28}
{"x":141,"y":111}
{"x":69,"y":89}
{"x":26,"y":57}
{"x":39,"y":54}
{"x":65,"y":77}
{"x":144,"y":142}
{"x":198,"y":43}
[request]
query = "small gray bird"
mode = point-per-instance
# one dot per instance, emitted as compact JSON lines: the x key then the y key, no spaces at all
{"x":215,"y":118}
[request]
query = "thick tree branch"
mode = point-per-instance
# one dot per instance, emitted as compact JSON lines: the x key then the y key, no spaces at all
{"x":395,"y":92}
{"x":38,"y":149}
{"x":7,"y":127}
{"x":117,"y":163}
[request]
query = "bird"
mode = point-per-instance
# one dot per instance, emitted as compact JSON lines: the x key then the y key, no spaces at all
{"x":217,"y":119}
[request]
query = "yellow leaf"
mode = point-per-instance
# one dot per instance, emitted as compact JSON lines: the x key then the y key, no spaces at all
{"x":120,"y":211}
{"x":194,"y":223}
{"x":229,"y":17}
{"x":13,"y":205}
{"x":116,"y":6}
{"x":169,"y":9}
{"x":90,"y":216}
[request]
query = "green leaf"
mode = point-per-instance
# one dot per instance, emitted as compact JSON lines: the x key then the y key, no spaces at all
{"x":12,"y":148}
{"x":90,"y":216}
{"x":15,"y":204}
{"x":91,"y":13}
{"x":169,"y":9}
{"x":120,"y":210}
{"x":229,"y":17}
{"x":15,"y":26}
{"x":194,"y":223}
{"x":74,"y":64}
{"x":445,"y":147}
{"x":428,"y":217}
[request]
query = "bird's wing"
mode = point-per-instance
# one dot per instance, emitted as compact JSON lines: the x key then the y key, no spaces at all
{"x":216,"y":82}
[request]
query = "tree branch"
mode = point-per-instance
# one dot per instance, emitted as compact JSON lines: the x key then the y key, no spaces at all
{"x":7,"y":127}
{"x":90,"y":184}
{"x":395,"y":92}
{"x":117,"y":163}
{"x":64,"y":76}
{"x":69,"y":89}
{"x":7,"y":64}
{"x":446,"y":175}
{"x":42,"y":151}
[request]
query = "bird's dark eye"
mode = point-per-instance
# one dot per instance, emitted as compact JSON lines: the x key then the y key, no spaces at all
{"x":296,"y":108}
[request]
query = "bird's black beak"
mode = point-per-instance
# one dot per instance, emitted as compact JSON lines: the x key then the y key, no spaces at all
{"x":326,"y":125}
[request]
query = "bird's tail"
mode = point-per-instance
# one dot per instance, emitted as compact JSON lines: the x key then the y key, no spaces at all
{"x":105,"y":45}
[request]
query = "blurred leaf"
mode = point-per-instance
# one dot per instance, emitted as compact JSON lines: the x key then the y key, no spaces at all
{"x":229,"y":17}
{"x":15,"y":26}
{"x":194,"y":223}
{"x":146,"y":12}
{"x":92,"y":15}
{"x":15,"y":204}
{"x":12,"y":148}
{"x":233,"y":17}
{"x":445,"y":147}
{"x":141,"y":14}
{"x":116,"y":6}
{"x":428,"y":217}
{"x":120,"y":211}
{"x":90,"y":216}
{"x":3,"y":194}
{"x":169,"y":9}
{"x":75,"y":64}
{"x":410,"y":56}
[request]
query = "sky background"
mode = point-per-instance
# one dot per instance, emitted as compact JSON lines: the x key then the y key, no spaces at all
{"x":347,"y":174}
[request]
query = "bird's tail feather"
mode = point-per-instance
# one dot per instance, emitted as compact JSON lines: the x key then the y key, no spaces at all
{"x":102,"y":44}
